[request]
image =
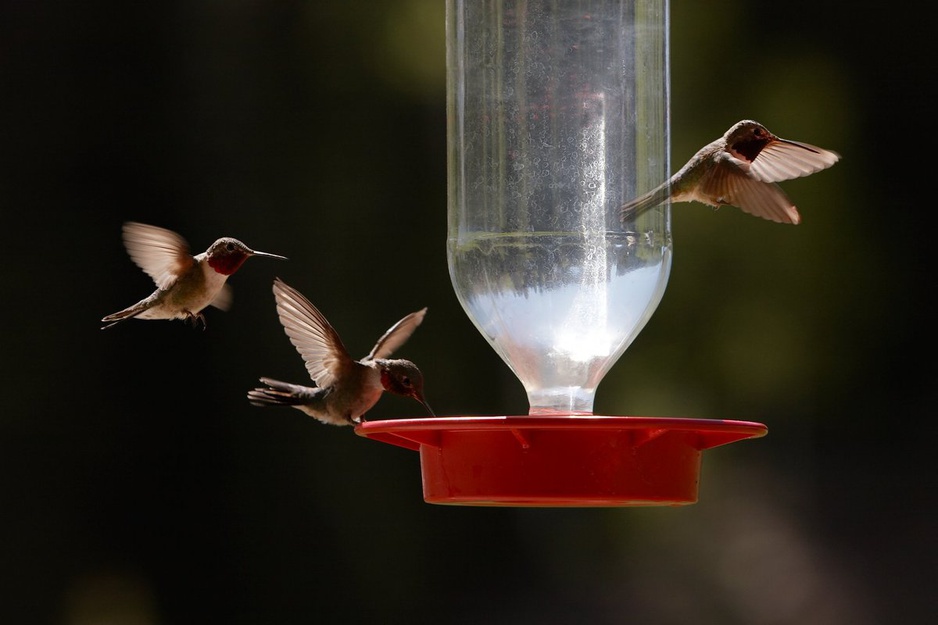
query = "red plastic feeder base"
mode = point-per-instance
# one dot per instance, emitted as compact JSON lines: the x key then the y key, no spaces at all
{"x":561,"y":460}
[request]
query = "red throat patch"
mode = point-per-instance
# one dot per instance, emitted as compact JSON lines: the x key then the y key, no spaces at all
{"x":227,"y":264}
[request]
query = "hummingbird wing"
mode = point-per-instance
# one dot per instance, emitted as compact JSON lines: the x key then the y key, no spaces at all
{"x":162,"y":254}
{"x":783,"y":160}
{"x":732,"y":186}
{"x":312,"y":335}
{"x":397,"y":335}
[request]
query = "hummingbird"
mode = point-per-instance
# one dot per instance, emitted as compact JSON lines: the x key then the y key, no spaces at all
{"x":345,"y":388}
{"x":185,"y":283}
{"x":740,"y":169}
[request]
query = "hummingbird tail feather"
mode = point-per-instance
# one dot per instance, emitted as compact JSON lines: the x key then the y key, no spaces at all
{"x":634,"y":208}
{"x":279,"y":393}
{"x":127,"y":313}
{"x":133,"y":311}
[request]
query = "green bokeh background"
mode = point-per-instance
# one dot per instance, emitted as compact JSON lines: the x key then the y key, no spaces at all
{"x":138,"y":485}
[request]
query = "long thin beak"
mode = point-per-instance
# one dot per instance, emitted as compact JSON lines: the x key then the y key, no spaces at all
{"x":425,"y":404}
{"x":268,"y":255}
{"x":798,"y":145}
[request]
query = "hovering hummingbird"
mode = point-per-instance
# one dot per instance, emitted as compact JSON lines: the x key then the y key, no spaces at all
{"x":185,"y":284}
{"x":740,"y":169}
{"x":345,"y":389}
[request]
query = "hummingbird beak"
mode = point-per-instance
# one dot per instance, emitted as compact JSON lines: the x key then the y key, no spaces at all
{"x":797,"y":145}
{"x":268,"y":255}
{"x":419,"y":397}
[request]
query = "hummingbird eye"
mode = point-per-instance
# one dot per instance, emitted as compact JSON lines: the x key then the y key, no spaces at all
{"x":406,"y":381}
{"x":230,"y":247}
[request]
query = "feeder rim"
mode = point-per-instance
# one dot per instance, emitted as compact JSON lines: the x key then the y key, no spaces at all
{"x":563,"y":422}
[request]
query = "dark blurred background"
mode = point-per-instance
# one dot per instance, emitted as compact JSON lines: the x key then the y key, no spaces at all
{"x":137,"y":484}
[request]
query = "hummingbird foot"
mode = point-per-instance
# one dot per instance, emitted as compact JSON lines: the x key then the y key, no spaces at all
{"x":195,"y":319}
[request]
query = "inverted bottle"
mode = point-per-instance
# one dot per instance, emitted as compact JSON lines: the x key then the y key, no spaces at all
{"x":557,"y":115}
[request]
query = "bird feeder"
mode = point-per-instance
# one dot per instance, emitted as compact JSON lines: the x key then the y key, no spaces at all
{"x":557,"y":113}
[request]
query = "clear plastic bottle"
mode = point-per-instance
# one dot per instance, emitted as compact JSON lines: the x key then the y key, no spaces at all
{"x":557,"y":115}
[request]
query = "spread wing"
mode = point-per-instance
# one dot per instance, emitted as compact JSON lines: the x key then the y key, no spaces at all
{"x":312,"y":335}
{"x":161,"y":253}
{"x":397,"y":335}
{"x":763,"y":199}
{"x":784,"y":160}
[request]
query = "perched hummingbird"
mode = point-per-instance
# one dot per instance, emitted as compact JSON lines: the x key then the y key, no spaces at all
{"x":185,"y":284}
{"x":345,"y":389}
{"x":740,"y":169}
